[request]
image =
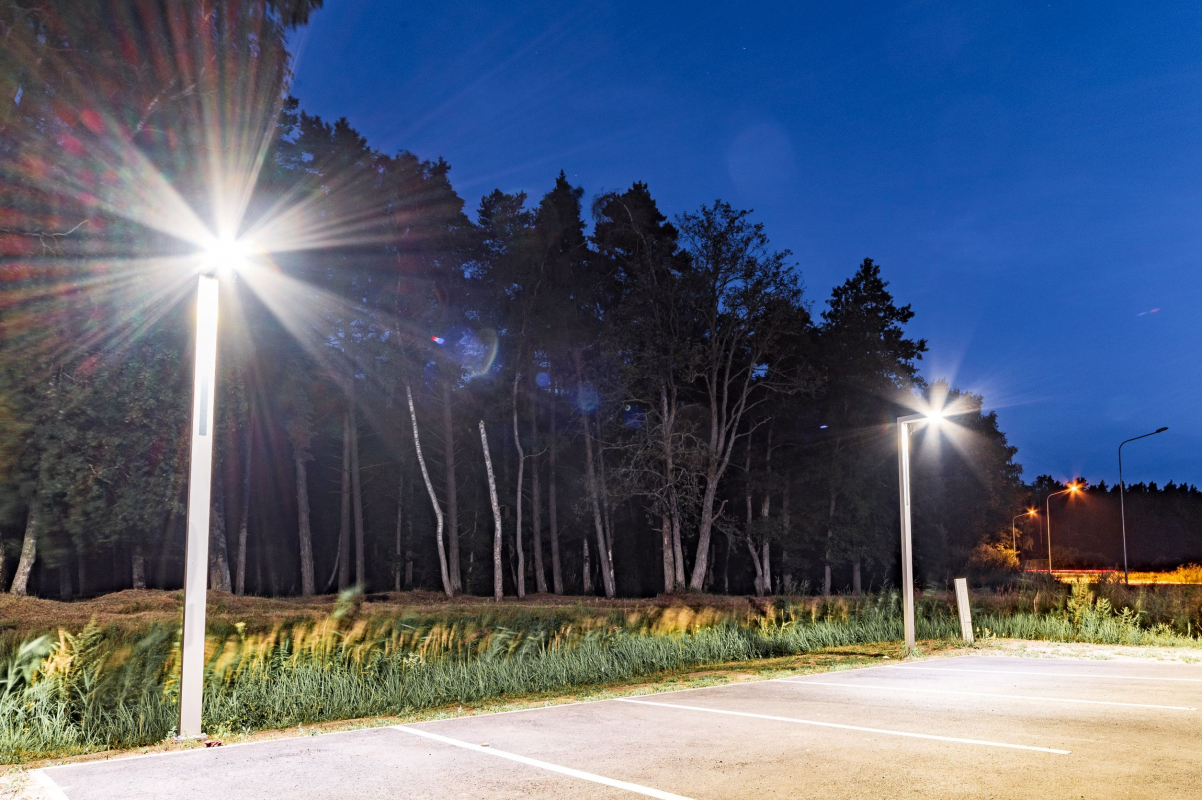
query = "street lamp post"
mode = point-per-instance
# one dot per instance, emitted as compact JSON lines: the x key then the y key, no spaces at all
{"x":196,"y":565}
{"x":907,"y":550}
{"x":223,"y":255}
{"x":1123,"y":490}
{"x":1030,"y":512}
{"x":1072,"y":489}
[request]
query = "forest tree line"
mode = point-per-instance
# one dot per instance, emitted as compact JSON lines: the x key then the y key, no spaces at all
{"x":569,"y":393}
{"x":1164,"y":525}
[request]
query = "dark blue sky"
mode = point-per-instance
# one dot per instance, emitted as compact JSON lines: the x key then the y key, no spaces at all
{"x":1028,"y":175}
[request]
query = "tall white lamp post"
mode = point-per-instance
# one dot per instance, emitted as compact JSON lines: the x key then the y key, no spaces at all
{"x":904,"y":425}
{"x":223,"y":255}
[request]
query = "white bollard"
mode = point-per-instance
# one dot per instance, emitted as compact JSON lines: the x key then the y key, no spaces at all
{"x":964,"y":609}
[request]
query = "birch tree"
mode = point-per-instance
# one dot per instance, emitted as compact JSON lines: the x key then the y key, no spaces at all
{"x":745,"y":297}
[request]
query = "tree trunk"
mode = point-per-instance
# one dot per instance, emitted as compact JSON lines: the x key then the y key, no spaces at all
{"x":29,"y":552}
{"x":678,"y":551}
{"x":137,"y":566}
{"x":587,"y":569}
{"x":259,"y":549}
{"x":856,"y":587}
{"x":447,"y":588}
{"x":707,"y":583}
{"x":726,"y":564}
{"x":536,"y":522}
{"x":607,"y":516}
{"x":751,"y":546}
{"x":357,"y":495}
{"x":64,"y":580}
{"x":590,"y":471}
{"x":830,"y":537}
{"x":766,"y":558}
{"x":785,"y":522}
{"x":448,"y":437}
{"x":398,"y":550}
{"x":552,"y":501}
{"x":668,"y":413}
{"x":244,"y":521}
{"x":219,"y":555}
{"x":517,"y":499}
{"x":498,"y":574}
{"x":409,"y":539}
{"x":268,"y":554}
{"x":765,"y":506}
{"x":759,"y":569}
{"x":303,"y":532}
{"x":705,"y":528}
{"x":344,"y":532}
{"x":669,"y":565}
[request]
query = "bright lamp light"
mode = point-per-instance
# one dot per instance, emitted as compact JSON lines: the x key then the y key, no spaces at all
{"x":225,"y":255}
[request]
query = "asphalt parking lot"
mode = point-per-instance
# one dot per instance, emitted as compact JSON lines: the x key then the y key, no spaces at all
{"x":970,"y":726}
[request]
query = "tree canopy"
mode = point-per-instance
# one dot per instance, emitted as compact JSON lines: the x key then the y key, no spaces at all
{"x":664,"y":406}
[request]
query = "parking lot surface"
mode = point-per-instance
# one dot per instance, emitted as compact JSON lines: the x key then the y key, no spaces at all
{"x":970,"y":726}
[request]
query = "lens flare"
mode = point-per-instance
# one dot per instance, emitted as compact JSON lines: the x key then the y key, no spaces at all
{"x":175,"y":152}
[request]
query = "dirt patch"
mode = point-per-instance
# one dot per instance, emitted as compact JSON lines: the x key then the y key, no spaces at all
{"x":23,"y":617}
{"x":1102,"y":652}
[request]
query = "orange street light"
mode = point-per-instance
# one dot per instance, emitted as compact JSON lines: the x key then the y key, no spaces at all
{"x":1030,"y":512}
{"x":1073,"y":488}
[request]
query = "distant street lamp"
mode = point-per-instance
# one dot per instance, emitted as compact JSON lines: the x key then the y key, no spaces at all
{"x":907,"y":550}
{"x":1030,"y":512}
{"x":1073,"y":488}
{"x":222,"y":256}
{"x":1123,"y":490}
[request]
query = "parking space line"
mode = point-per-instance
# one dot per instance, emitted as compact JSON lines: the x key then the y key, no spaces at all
{"x":48,"y":787}
{"x":841,"y":726}
{"x":1042,"y":672}
{"x":534,"y":762}
{"x":985,"y":694}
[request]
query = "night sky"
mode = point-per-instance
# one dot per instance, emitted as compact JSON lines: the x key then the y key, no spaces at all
{"x":1028,"y":175}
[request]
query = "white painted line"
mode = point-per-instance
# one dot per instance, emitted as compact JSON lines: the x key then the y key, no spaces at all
{"x":878,"y":687}
{"x":552,"y":706}
{"x":534,"y":762}
{"x":884,"y":731}
{"x":49,"y":789}
{"x":1042,"y":672}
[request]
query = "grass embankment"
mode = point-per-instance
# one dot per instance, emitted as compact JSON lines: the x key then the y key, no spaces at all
{"x":279,"y":664}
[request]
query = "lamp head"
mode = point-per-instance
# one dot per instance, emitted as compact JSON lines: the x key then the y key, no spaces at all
{"x":225,"y":255}
{"x":934,"y":417}
{"x":1162,"y":430}
{"x":1030,"y":512}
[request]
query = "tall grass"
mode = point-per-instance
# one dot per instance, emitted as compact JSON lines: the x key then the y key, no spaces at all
{"x":91,"y":690}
